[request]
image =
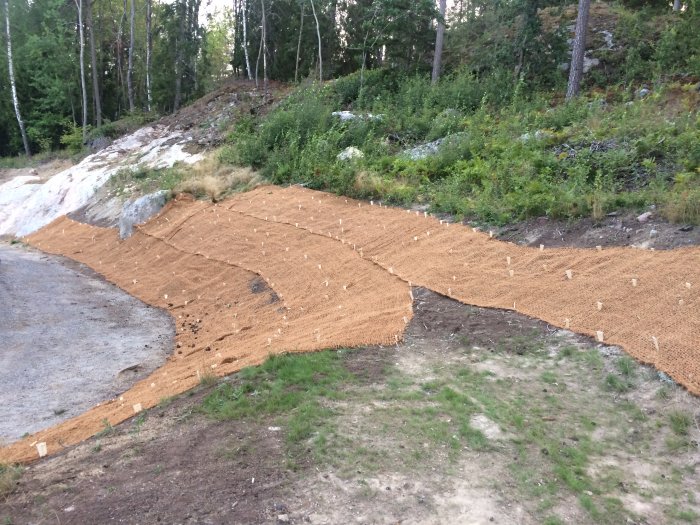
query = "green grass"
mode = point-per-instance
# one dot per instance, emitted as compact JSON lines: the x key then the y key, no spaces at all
{"x":290,"y":387}
{"x":626,"y":366}
{"x":686,"y":515}
{"x":680,"y":423}
{"x":618,"y":384}
{"x":145,"y":180}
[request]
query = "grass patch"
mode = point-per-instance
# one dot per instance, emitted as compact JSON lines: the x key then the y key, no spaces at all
{"x":208,"y":379}
{"x":620,"y":385}
{"x":290,"y":387}
{"x":626,"y":366}
{"x":9,"y":474}
{"x":143,"y":180}
{"x":680,"y":423}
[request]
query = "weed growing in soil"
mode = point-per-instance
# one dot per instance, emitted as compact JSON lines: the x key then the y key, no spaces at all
{"x":9,"y":474}
{"x":680,"y":423}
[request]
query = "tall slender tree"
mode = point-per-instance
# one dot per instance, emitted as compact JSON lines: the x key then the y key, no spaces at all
{"x":181,"y":13}
{"x":320,"y":46}
{"x":149,"y":50}
{"x":81,"y":37}
{"x":245,"y":40}
{"x":437,"y":57}
{"x":119,"y":53}
{"x":13,"y":84}
{"x":264,"y":48}
{"x":579,"y":49}
{"x":301,"y":30}
{"x":130,"y":67}
{"x":96,"y":99}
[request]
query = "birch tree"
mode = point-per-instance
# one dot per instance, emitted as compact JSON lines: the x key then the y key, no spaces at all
{"x":97,"y":103}
{"x":130,"y":66}
{"x":81,"y":36}
{"x":13,"y":84}
{"x":301,"y":29}
{"x":264,"y":47}
{"x":149,"y":50}
{"x":245,"y":40}
{"x":320,"y":47}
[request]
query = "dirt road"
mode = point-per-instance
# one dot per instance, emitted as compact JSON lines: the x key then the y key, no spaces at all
{"x":100,"y":341}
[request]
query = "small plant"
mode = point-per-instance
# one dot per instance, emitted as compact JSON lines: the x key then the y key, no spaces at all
{"x":9,"y":474}
{"x":680,"y":423}
{"x":626,"y":366}
{"x":614,"y":383}
{"x":107,"y":430}
{"x":549,"y":377}
{"x":208,"y":379}
{"x":664,"y":393}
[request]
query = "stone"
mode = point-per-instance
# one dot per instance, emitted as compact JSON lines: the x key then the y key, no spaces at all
{"x":350,"y":153}
{"x":644,"y":217}
{"x":138,"y":211}
{"x":349,"y":115}
{"x":643,"y":92}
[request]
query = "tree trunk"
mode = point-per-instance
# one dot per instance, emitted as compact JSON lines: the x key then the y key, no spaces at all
{"x":149,"y":47}
{"x":264,"y":39}
{"x":301,"y":28}
{"x":320,"y":48}
{"x":13,"y":85}
{"x":120,"y":64}
{"x":97,"y":103}
{"x":677,"y":4}
{"x":245,"y":40}
{"x":79,"y":5}
{"x":130,"y":67}
{"x":179,"y":45}
{"x":437,"y":58}
{"x":257,"y":62}
{"x":579,"y":49}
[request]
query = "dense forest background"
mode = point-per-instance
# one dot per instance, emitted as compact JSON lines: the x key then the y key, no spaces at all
{"x":141,"y":58}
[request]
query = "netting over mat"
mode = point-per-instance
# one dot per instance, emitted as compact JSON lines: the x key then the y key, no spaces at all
{"x":277,"y":270}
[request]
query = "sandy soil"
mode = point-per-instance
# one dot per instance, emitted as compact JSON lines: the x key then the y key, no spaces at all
{"x":174,"y":465}
{"x":69,"y":340}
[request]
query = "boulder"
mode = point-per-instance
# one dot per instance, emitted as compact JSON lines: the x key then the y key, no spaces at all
{"x":138,"y":211}
{"x":350,"y":153}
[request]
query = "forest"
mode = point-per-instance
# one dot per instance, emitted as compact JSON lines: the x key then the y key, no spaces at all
{"x":78,"y":72}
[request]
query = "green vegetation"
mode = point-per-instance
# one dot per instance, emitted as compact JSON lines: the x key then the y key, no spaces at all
{"x":145,"y":180}
{"x":503,"y":162}
{"x":680,"y":423}
{"x":291,"y":387}
{"x":513,"y":149}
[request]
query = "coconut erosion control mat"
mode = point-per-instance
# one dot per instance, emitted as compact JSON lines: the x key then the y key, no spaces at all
{"x":289,"y":270}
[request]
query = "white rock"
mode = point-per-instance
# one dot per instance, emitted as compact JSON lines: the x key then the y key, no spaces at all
{"x":644,"y":217}
{"x":350,"y":153}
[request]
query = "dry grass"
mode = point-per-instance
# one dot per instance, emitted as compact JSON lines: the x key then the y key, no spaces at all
{"x":683,"y":206}
{"x":214,"y":180}
{"x":8,"y":479}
